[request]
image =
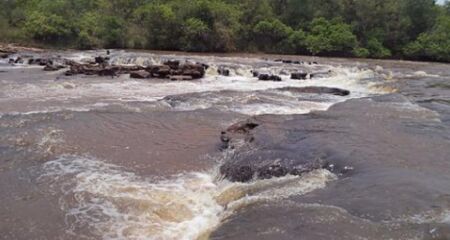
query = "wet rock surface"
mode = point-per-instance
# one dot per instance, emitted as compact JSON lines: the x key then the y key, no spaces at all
{"x":391,"y":158}
{"x":168,"y":70}
{"x":299,"y":76}
{"x":317,"y":90}
{"x":141,"y":74}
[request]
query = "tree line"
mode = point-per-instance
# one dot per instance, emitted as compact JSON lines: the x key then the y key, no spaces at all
{"x":412,"y":29}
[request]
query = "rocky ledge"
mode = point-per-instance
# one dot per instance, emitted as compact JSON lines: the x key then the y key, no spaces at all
{"x":273,"y":146}
{"x":169,"y":70}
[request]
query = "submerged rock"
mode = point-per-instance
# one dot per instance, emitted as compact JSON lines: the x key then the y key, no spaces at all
{"x":53,"y":67}
{"x":243,"y":127}
{"x":299,"y":76}
{"x":320,"y":74}
{"x":317,"y":90}
{"x":181,"y":78}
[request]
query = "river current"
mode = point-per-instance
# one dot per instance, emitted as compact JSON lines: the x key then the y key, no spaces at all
{"x":90,"y":157}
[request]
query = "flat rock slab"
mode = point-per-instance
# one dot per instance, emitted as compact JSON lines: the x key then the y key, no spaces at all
{"x":391,"y":157}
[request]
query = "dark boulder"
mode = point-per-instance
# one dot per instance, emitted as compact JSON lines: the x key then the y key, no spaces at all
{"x":18,"y":60}
{"x":173,"y":64}
{"x":276,"y":161}
{"x":101,"y":60}
{"x":196,"y":71}
{"x":159,"y":71}
{"x":141,"y":74}
{"x":299,"y":76}
{"x":223,"y":71}
{"x":40,"y":61}
{"x":269,"y":77}
{"x":4,"y":55}
{"x":238,"y":174}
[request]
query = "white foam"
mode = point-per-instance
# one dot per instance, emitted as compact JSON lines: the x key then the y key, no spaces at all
{"x":117,"y":204}
{"x":126,"y":89}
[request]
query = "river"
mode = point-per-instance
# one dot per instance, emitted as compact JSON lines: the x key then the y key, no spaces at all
{"x":101,"y":157}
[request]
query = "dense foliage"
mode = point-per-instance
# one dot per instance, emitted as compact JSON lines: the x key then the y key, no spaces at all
{"x":414,"y":29}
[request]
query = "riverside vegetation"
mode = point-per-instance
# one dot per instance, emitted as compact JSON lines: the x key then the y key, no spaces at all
{"x":410,"y":29}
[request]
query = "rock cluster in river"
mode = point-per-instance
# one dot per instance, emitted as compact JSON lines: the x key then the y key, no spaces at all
{"x":172,"y":69}
{"x":169,"y":70}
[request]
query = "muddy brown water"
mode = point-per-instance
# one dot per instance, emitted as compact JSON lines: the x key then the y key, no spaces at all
{"x":87,"y":157}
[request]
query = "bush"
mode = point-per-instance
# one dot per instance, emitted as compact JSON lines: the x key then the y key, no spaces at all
{"x":268,"y":34}
{"x":330,"y":37}
{"x":48,"y":27}
{"x":433,"y":45}
{"x":160,"y":26}
{"x":195,"y":35}
{"x":377,"y":49}
{"x":361,"y":52}
{"x":296,"y":42}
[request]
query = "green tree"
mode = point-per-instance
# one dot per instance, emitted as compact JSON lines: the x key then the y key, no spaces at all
{"x":160,"y":26}
{"x":330,"y":37}
{"x":48,"y":27}
{"x":269,"y":34}
{"x":432,"y":45}
{"x":364,"y":28}
{"x":196,"y":34}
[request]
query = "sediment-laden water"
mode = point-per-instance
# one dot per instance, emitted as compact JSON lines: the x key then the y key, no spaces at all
{"x":91,"y":157}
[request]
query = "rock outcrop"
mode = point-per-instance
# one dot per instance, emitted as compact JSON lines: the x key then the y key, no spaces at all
{"x":169,"y":70}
